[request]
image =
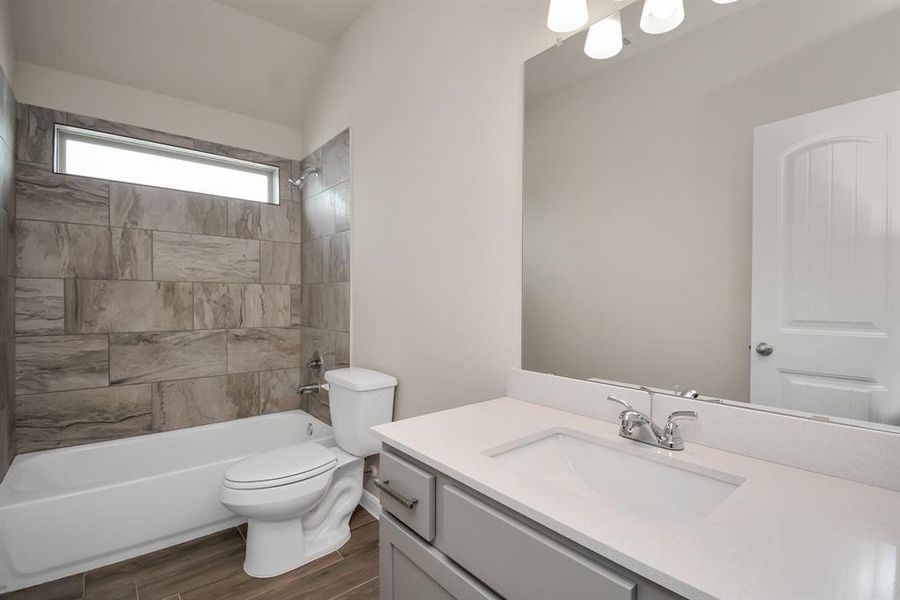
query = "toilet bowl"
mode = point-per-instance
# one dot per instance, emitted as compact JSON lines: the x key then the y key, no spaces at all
{"x":298,"y":499}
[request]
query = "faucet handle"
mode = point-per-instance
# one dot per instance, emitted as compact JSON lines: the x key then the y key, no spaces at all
{"x":612,"y":398}
{"x":685,"y":415}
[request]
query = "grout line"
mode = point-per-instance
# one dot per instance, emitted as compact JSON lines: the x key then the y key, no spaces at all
{"x":367,"y":581}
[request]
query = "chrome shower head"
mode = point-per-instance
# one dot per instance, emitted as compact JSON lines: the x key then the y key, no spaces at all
{"x":301,"y":181}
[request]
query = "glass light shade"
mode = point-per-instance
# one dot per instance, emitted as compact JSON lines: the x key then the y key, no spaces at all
{"x":661,"y":16}
{"x":604,"y":38}
{"x":724,"y":1}
{"x":567,"y":15}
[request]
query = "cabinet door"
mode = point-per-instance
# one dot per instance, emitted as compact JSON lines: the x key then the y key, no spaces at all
{"x":410,"y":569}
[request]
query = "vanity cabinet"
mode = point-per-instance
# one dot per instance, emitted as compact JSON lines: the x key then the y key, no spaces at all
{"x":454,"y":543}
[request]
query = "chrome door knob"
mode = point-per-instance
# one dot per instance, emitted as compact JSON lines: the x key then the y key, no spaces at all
{"x":764,"y":349}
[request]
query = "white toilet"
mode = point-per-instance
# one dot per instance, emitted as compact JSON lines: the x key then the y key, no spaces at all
{"x":298,"y":499}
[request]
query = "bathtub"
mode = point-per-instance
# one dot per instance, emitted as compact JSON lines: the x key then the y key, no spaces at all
{"x":69,"y":510}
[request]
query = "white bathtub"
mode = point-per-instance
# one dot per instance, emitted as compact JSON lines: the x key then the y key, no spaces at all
{"x":68,"y":510}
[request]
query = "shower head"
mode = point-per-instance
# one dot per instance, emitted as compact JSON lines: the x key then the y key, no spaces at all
{"x":301,"y":181}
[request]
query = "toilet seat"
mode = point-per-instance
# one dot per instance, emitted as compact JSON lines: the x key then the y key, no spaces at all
{"x":284,"y":466}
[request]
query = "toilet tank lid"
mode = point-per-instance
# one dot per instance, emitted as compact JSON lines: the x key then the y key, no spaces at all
{"x":360,"y":380}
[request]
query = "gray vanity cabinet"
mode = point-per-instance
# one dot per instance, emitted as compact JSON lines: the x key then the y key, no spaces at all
{"x":443,"y":541}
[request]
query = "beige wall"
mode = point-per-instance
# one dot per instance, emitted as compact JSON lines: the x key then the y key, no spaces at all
{"x":433,"y":94}
{"x":638,"y":190}
{"x":75,"y":93}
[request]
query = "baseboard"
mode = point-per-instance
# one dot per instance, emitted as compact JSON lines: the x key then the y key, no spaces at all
{"x":370,"y":502}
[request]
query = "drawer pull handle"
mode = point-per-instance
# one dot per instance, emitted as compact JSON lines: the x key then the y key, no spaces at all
{"x":385,"y":486}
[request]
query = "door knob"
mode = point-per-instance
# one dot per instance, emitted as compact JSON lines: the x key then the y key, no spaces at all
{"x":764,"y":349}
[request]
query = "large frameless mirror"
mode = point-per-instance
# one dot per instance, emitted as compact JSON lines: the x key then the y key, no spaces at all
{"x":715,"y":210}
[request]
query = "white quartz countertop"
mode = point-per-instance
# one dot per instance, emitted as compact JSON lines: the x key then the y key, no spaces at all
{"x":784,"y":533}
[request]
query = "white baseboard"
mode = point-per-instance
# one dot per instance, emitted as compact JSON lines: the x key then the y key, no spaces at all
{"x":370,"y":502}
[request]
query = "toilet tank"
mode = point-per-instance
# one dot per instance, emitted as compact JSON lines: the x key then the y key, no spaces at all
{"x":359,"y":399}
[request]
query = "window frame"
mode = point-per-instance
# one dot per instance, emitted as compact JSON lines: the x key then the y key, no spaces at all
{"x":62,"y":133}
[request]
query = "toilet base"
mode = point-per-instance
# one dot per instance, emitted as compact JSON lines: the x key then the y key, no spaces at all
{"x":276,"y":547}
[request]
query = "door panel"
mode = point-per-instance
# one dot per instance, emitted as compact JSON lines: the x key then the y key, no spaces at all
{"x":825,"y":262}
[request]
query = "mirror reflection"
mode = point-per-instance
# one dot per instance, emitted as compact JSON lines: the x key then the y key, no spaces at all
{"x":716,"y":209}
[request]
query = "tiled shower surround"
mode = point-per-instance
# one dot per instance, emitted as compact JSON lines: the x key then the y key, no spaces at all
{"x":7,"y":271}
{"x":142,"y":309}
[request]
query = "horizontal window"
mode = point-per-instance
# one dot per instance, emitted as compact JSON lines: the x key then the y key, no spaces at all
{"x":118,"y":158}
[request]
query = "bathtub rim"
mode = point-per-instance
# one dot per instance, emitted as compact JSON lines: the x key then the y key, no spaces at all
{"x":10,"y":497}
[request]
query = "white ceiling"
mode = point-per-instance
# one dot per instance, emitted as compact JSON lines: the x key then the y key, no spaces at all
{"x":320,"y":20}
{"x":203,"y":51}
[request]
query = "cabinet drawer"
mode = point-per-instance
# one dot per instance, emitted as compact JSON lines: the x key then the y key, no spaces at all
{"x":516,"y":561}
{"x":410,"y":569}
{"x":407,"y":492}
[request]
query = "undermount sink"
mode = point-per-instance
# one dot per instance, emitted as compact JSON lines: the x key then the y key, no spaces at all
{"x":646,"y":484}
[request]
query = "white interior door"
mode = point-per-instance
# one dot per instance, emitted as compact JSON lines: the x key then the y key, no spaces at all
{"x":826,"y":262}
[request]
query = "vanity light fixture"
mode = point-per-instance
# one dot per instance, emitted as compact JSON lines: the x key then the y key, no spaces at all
{"x":604,"y":38}
{"x":567,"y":15}
{"x":661,"y":16}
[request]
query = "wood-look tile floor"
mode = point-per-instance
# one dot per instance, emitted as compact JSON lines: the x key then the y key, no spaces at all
{"x":211,"y":568}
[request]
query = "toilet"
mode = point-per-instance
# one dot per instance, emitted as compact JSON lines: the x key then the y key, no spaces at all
{"x":298,"y":499}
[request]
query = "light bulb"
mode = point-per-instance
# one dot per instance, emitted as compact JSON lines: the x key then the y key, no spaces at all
{"x":661,"y":16}
{"x":567,"y":15}
{"x":604,"y":38}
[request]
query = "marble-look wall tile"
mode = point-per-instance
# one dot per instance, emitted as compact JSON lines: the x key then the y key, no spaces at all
{"x":336,"y":159}
{"x":243,"y":219}
{"x":337,"y":309}
{"x":192,"y":402}
{"x":61,"y":362}
{"x":318,"y":406}
{"x":43,"y":195}
{"x":7,"y":244}
{"x":315,"y":256}
{"x":259,"y":349}
{"x":7,"y":440}
{"x":7,"y":376}
{"x":132,"y":253}
{"x":323,"y":306}
{"x":238,"y":305}
{"x":309,"y":309}
{"x":166,"y":210}
{"x":281,"y":262}
{"x":182,"y":257}
{"x":341,"y":349}
{"x":34,"y":133}
{"x":147,"y":357}
{"x":280,"y":223}
{"x":82,"y":416}
{"x":8,"y":305}
{"x":62,"y":250}
{"x":39,"y":307}
{"x":339,"y":257}
{"x":318,"y":215}
{"x":342,"y":206}
{"x":278,"y":390}
{"x":131,"y":131}
{"x":95,"y":306}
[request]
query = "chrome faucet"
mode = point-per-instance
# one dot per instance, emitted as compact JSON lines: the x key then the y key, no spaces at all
{"x":635,"y":425}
